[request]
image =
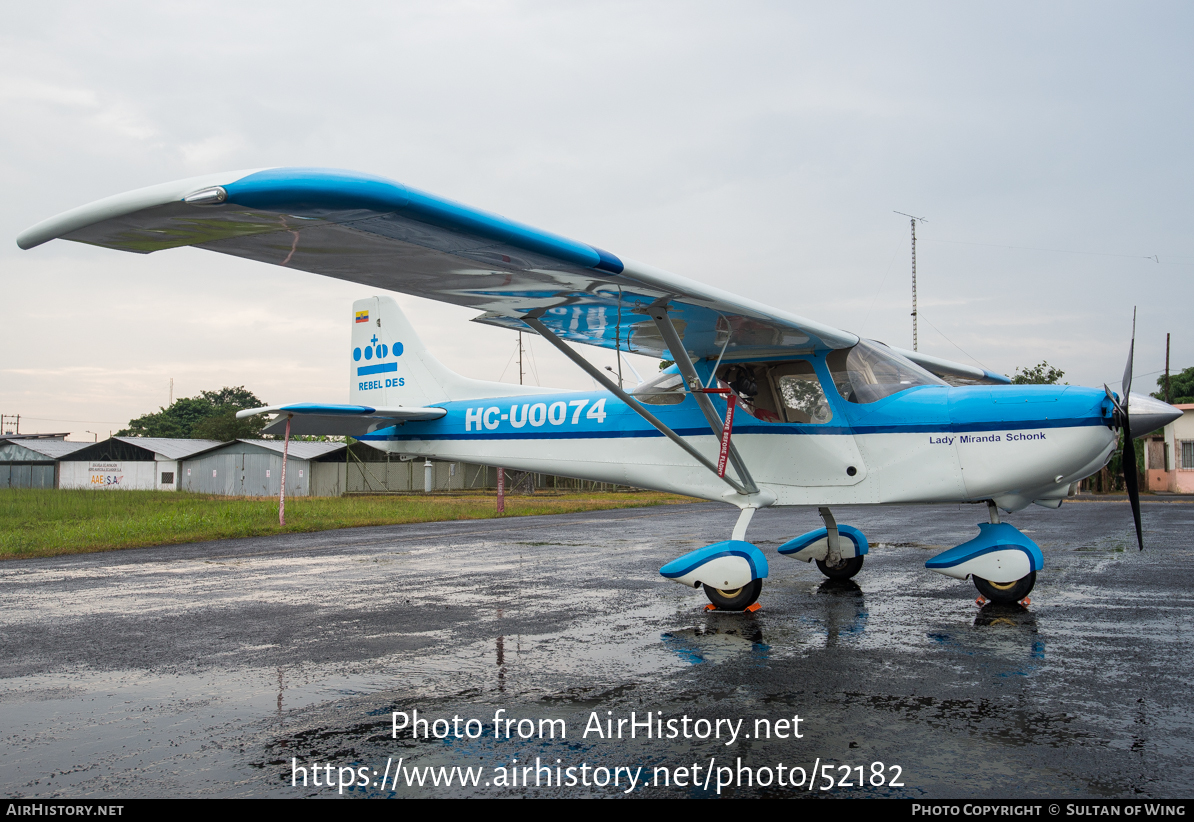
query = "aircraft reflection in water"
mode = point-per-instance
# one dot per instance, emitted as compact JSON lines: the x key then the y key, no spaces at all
{"x":842,"y":617}
{"x":824,"y":417}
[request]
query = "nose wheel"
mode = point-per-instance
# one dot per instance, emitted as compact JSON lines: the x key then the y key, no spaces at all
{"x":844,"y":568}
{"x":1005,"y":593}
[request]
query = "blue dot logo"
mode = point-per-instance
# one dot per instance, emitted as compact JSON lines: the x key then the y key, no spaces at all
{"x":397,"y":349}
{"x":369,"y":353}
{"x":381,"y":351}
{"x":356,"y":354}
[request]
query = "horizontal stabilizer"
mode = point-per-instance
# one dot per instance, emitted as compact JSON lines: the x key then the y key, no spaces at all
{"x":320,"y":419}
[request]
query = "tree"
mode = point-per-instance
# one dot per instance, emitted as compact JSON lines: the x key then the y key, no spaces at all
{"x":1181,"y":386}
{"x":211,"y":415}
{"x":1043,"y":374}
{"x":226,"y":427}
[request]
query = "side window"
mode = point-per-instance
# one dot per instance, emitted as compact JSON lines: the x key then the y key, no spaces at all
{"x":752,"y":384}
{"x":666,"y":389}
{"x":779,"y":392}
{"x":800,"y":393}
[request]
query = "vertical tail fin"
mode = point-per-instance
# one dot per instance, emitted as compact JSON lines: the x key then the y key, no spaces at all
{"x":390,"y":366}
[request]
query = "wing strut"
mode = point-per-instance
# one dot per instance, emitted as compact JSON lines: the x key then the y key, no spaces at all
{"x":664,"y":323}
{"x":596,"y":374}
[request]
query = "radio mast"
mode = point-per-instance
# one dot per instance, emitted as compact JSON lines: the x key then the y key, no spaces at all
{"x":913,"y":220}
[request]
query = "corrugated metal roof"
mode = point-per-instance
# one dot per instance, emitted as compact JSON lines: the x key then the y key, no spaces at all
{"x":171,"y":449}
{"x":14,"y":451}
{"x":298,"y":449}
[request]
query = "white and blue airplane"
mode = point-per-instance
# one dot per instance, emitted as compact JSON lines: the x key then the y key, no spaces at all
{"x":823,"y":417}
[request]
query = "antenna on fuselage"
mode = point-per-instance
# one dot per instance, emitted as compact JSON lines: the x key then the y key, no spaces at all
{"x":913,"y":219}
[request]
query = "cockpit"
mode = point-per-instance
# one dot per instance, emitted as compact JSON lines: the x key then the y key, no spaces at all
{"x":791,"y":391}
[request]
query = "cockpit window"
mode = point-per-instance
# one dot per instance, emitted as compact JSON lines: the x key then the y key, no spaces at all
{"x":666,"y":389}
{"x":868,"y":372}
{"x":779,"y":392}
{"x":800,"y":393}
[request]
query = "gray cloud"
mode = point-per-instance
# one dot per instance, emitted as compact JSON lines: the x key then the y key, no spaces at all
{"x":758,"y":147}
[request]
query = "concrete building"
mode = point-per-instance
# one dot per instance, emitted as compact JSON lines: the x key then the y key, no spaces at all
{"x":129,"y":463}
{"x":31,"y":460}
{"x":1170,"y":458}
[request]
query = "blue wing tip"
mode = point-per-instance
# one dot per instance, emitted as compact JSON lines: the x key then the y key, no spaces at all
{"x":608,"y":262}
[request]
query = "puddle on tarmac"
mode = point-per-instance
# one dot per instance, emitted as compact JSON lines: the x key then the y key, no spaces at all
{"x":539,"y":627}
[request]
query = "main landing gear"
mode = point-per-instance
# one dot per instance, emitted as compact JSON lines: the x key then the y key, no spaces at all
{"x":732,"y":572}
{"x":737,"y":599}
{"x":1005,"y":593}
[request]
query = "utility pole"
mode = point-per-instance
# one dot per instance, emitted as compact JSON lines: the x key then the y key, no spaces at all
{"x":171,"y":392}
{"x":923,"y":220}
{"x":1168,"y":394}
{"x":520,"y":358}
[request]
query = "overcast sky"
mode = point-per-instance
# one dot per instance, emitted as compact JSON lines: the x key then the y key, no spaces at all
{"x":757,"y":147}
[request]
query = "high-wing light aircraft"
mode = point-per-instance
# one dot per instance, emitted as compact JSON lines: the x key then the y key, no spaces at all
{"x":823,"y":417}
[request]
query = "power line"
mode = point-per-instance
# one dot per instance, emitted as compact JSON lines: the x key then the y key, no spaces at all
{"x":954,"y":344}
{"x":1150,"y":257}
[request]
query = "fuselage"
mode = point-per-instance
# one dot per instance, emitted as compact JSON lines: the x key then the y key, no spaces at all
{"x":926,"y":444}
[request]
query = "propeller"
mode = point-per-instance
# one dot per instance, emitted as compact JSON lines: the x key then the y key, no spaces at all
{"x":1123,"y":421}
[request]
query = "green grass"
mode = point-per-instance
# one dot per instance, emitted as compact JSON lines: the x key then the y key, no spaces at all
{"x":42,"y":523}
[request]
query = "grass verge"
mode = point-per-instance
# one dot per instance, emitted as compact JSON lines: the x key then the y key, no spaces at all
{"x":43,"y":523}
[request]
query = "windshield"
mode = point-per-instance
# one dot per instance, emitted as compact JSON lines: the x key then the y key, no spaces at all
{"x":871,"y":371}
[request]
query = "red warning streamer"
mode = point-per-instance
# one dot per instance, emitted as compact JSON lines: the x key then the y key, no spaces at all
{"x":731,"y":403}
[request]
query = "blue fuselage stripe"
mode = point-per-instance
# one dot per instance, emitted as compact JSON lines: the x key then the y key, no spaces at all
{"x":381,"y":368}
{"x":771,"y":430}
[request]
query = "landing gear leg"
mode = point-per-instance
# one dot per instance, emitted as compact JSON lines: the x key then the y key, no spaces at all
{"x":835,"y":566}
{"x":737,"y":599}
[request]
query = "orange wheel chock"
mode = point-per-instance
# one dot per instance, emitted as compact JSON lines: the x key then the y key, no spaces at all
{"x":754,"y":606}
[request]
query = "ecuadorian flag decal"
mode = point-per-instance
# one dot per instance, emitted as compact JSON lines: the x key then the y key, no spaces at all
{"x":362,"y":316}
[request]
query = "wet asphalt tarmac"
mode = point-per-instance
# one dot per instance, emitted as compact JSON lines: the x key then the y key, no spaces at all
{"x":235,"y":668}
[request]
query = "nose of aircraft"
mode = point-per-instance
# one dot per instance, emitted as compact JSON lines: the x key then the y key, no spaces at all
{"x":1148,"y":414}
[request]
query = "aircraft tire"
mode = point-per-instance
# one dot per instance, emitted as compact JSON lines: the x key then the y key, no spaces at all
{"x":1005,"y":592}
{"x":845,"y":569}
{"x":738,"y":599}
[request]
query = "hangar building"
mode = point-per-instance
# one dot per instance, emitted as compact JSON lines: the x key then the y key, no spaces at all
{"x":130,"y":463}
{"x":253,"y":468}
{"x":31,"y":460}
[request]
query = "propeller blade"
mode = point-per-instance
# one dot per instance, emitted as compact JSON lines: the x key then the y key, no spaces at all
{"x":1127,"y":383}
{"x":1131,"y":478}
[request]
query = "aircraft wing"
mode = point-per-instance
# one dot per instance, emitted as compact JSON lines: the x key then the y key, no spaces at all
{"x":314,"y":419}
{"x":386,"y":235}
{"x":955,"y":373}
